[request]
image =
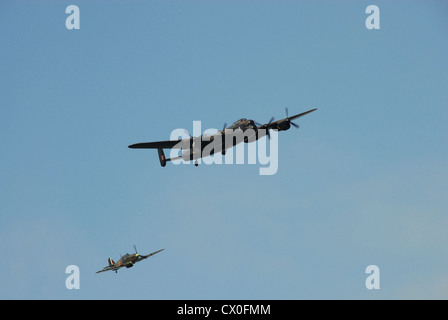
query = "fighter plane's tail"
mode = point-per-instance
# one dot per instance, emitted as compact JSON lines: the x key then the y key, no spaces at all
{"x":111,"y":262}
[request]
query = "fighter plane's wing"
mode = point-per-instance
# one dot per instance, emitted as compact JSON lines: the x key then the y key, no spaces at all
{"x":170,"y":144}
{"x":108,"y":268}
{"x":148,"y":255}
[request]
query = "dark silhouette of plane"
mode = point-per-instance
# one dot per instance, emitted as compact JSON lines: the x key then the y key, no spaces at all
{"x":128,"y":260}
{"x":198,"y":147}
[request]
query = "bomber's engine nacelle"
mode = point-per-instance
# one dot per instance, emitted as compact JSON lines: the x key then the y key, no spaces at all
{"x":283,"y":125}
{"x":194,"y":151}
{"x":253,"y":136}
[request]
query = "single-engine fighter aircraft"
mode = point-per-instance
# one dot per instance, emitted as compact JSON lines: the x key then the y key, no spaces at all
{"x":206,"y":145}
{"x":128,"y":260}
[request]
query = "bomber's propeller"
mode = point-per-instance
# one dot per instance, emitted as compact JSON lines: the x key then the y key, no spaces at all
{"x":267,"y":130}
{"x":188,"y":133}
{"x":224,"y":127}
{"x":287,"y":118}
{"x":223,"y":132}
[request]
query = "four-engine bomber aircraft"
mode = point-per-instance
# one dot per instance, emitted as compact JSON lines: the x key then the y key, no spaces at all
{"x":198,"y":147}
{"x":128,"y":260}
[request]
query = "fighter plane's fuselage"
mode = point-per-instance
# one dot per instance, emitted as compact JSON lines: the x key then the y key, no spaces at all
{"x":128,"y":260}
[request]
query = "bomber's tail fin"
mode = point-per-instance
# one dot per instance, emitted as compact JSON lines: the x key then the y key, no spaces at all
{"x":162,"y":157}
{"x":111,"y":262}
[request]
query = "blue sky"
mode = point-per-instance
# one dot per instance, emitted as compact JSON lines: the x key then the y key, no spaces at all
{"x":363,"y":181}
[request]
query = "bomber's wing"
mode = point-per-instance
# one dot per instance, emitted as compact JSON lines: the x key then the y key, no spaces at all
{"x":300,"y":114}
{"x":275,"y":124}
{"x":148,"y":255}
{"x":169,"y":144}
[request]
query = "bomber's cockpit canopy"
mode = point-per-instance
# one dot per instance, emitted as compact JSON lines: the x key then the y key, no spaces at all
{"x":238,"y":123}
